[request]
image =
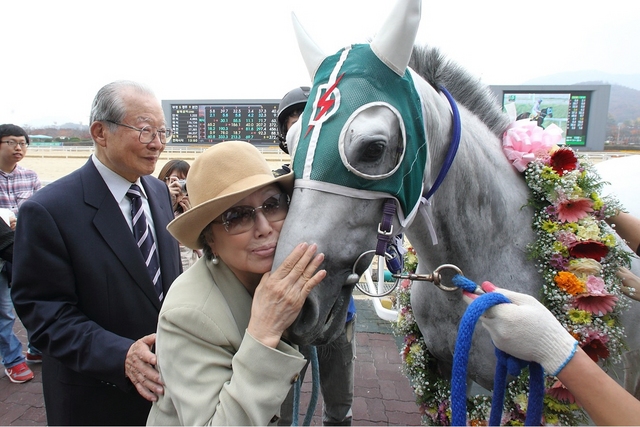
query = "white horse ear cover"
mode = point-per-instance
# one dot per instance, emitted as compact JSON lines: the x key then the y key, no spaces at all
{"x":311,"y":52}
{"x":393,"y":44}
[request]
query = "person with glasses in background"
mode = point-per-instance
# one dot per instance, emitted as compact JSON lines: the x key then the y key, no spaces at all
{"x":17,"y":184}
{"x":222,"y":348}
{"x":92,"y":263}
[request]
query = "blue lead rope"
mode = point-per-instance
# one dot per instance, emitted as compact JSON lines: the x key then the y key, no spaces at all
{"x":506,"y":364}
{"x":315,"y":385}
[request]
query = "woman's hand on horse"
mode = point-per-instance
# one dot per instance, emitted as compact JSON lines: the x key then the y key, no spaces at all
{"x":280,"y":295}
{"x":527,"y":330}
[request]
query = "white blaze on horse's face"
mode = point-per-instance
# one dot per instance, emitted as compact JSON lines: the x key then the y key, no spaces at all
{"x":372,"y":143}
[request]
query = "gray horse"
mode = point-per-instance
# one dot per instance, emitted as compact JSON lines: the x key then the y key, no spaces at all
{"x":378,"y":127}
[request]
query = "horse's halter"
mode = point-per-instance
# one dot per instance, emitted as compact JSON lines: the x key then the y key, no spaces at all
{"x":385,"y":228}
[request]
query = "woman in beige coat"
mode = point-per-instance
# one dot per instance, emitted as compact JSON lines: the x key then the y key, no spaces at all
{"x":221,"y":351}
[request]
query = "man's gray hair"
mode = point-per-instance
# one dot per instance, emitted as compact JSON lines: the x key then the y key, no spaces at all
{"x":108,"y":105}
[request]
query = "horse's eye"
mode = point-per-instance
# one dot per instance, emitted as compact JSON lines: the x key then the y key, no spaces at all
{"x":373,"y":152}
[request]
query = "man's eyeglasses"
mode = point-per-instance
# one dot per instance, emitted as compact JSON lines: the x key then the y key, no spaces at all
{"x":240,"y":219}
{"x":148,"y":133}
{"x":12,"y":143}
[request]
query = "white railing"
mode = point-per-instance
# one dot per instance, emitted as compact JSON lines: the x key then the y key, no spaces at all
{"x":85,"y":150}
{"x":266,"y":149}
{"x":600,"y":156}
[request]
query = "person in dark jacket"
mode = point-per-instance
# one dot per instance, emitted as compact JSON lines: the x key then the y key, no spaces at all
{"x":93,"y":261}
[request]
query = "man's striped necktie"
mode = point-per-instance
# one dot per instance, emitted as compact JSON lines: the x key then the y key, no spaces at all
{"x":144,"y":238}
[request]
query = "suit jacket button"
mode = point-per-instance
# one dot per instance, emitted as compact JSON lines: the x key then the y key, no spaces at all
{"x":295,"y":378}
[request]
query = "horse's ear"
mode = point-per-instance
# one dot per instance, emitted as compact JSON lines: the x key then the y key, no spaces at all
{"x":393,"y":44}
{"x":311,"y":53}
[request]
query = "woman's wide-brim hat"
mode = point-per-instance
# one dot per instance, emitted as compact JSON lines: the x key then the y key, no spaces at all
{"x":219,"y":178}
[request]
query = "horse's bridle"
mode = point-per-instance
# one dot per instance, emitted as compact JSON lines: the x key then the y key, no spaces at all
{"x":385,"y":228}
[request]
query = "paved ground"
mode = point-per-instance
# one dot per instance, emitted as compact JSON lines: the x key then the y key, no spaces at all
{"x":383,"y":395}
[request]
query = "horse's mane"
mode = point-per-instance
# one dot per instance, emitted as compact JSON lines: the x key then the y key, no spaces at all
{"x":438,"y":71}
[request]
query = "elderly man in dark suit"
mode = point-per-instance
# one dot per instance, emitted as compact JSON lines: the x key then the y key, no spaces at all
{"x":92,"y":262}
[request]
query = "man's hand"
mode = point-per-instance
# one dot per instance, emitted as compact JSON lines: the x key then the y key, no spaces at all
{"x":139,"y":367}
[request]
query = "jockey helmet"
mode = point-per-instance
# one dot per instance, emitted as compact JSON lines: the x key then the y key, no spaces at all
{"x":294,"y":100}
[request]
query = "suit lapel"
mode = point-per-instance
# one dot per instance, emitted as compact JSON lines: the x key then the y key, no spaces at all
{"x":113,"y":227}
{"x":234,"y":292}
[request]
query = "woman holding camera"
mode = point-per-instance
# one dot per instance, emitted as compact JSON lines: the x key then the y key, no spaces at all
{"x":174,"y":174}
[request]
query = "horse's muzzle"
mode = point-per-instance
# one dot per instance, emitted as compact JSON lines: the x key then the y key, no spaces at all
{"x":318,"y":323}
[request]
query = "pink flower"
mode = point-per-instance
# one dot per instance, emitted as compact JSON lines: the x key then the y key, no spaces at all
{"x":524,"y":140}
{"x":573,"y":210}
{"x":595,"y":285}
{"x":597,"y":300}
{"x":567,"y":238}
{"x":596,"y":304}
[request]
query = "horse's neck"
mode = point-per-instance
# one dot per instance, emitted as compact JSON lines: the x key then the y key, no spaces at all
{"x":478,"y":212}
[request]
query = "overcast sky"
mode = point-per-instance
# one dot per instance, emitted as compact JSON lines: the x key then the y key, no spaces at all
{"x":57,"y":54}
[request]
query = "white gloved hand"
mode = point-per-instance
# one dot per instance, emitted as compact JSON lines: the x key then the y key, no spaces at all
{"x":630,"y":283}
{"x":527,"y":330}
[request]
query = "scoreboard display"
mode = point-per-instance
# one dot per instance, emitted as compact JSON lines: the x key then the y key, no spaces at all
{"x":212,"y":121}
{"x":568,"y":110}
{"x":581,"y":110}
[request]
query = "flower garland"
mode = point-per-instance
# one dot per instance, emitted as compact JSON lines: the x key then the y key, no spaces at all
{"x":577,"y":256}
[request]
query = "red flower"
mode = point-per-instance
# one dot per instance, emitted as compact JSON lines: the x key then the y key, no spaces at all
{"x":588,"y":249}
{"x":573,"y":210}
{"x":595,"y":349}
{"x":563,"y":160}
{"x":560,"y":392}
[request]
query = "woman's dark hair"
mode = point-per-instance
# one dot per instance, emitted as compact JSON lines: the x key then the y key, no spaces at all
{"x":175,"y":165}
{"x":203,"y":239}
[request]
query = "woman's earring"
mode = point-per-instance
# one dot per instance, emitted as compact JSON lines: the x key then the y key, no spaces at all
{"x":215,"y":260}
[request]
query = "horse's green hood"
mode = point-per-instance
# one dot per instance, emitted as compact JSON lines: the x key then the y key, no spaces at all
{"x":352,"y":79}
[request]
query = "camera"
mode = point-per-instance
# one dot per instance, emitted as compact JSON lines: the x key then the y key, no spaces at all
{"x":183,"y":186}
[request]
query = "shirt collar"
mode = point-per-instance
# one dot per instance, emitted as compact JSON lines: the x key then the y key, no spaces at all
{"x":116,"y":184}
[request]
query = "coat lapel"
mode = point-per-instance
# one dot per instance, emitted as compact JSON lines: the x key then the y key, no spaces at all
{"x":234,"y":292}
{"x":111,"y":224}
